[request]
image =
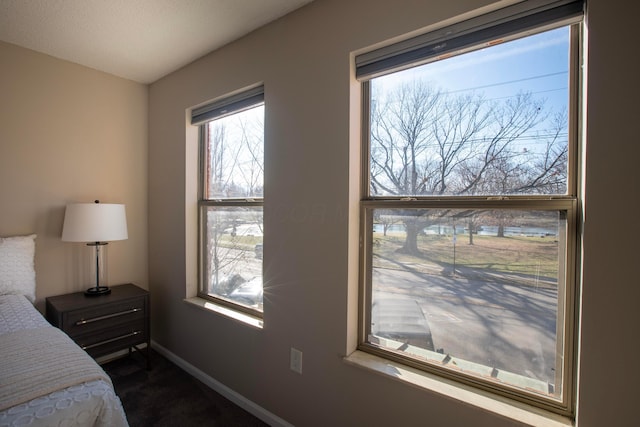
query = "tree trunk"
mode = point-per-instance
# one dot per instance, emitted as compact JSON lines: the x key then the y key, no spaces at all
{"x":471,"y":232}
{"x":411,"y":242}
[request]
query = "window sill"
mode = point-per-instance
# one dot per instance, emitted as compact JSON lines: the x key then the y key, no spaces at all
{"x":227,"y":312}
{"x":516,"y":411}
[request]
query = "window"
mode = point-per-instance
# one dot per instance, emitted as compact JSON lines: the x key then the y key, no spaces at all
{"x":469,"y":209}
{"x":231,"y":200}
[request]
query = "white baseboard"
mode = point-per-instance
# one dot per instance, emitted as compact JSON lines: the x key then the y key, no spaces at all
{"x":258,"y":411}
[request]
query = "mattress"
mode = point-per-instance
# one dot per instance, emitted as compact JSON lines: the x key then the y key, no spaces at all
{"x":92,"y":403}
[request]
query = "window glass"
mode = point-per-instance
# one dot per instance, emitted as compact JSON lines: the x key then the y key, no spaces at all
{"x":469,"y":216}
{"x":474,"y":291}
{"x":231,"y":207}
{"x":235,"y":155}
{"x":234,"y":254}
{"x":489,"y":122}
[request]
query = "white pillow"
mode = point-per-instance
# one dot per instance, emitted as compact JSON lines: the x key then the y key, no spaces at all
{"x":17,"y":269}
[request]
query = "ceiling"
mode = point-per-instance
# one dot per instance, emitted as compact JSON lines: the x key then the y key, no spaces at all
{"x":140,"y":40}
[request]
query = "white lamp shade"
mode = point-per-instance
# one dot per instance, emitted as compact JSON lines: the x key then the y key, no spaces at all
{"x":94,"y":222}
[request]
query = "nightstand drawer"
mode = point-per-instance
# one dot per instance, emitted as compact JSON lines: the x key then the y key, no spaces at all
{"x":113,"y":339}
{"x":82,"y":321}
{"x":104,"y":324}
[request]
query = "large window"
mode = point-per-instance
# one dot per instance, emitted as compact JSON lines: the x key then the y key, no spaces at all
{"x":231,"y":200}
{"x":470,"y":202}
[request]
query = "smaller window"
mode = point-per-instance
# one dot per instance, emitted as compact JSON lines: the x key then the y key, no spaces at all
{"x":231,"y":200}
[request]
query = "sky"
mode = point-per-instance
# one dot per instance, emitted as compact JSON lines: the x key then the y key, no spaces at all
{"x":538,"y":64}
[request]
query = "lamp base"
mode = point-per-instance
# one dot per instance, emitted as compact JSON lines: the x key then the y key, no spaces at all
{"x":97,"y":291}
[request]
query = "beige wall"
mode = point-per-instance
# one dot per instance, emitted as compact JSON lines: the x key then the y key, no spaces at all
{"x":305,"y":63}
{"x":71,"y":134}
{"x":310,"y":254}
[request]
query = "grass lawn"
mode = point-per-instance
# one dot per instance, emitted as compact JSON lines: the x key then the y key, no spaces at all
{"x":531,"y":257}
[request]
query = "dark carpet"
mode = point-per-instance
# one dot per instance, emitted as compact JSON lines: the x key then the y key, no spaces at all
{"x":166,"y":395}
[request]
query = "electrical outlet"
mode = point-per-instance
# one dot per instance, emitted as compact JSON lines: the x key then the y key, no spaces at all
{"x":296,"y":360}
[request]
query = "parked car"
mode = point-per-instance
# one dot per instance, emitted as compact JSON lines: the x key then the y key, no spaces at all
{"x":248,"y":293}
{"x":401,"y":319}
{"x":258,"y":250}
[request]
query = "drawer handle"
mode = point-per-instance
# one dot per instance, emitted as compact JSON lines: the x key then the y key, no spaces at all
{"x":107,"y":316}
{"x":121,"y":337}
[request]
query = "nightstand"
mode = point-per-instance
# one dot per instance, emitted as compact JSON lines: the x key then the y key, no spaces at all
{"x":104,"y":324}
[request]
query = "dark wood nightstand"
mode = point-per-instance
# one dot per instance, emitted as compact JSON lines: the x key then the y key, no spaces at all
{"x":104,"y":324}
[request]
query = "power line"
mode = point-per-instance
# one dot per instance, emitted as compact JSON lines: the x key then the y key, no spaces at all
{"x":532,"y":93}
{"x":521,"y":140}
{"x":541,"y":76}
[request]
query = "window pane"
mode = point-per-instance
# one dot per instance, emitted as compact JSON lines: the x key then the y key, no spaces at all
{"x":490,"y":122}
{"x":235,"y":155}
{"x":233,"y":254}
{"x":473,"y":291}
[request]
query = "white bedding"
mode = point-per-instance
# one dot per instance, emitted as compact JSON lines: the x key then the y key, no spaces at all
{"x":92,"y":403}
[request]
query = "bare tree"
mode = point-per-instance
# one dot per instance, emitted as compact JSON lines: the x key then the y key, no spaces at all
{"x":496,"y":148}
{"x":401,"y":127}
{"x":426,"y":142}
{"x":215,"y":166}
{"x":385,"y":218}
{"x":547,"y":171}
{"x":236,"y":152}
{"x":460,"y":120}
{"x":234,"y":170}
{"x":252,"y":166}
{"x":223,"y":251}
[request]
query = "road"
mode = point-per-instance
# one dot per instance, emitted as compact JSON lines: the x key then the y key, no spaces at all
{"x":509,"y":327}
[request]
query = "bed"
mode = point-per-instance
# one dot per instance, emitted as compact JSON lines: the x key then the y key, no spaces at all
{"x":45,"y":378}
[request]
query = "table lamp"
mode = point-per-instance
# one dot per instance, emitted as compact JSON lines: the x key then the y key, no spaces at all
{"x":97,"y":224}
